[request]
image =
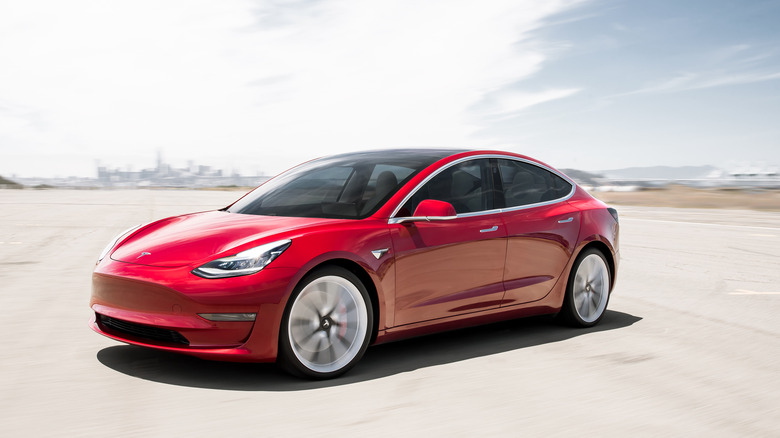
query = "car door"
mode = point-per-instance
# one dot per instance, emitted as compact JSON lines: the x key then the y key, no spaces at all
{"x":542,"y":229}
{"x":450,"y":267}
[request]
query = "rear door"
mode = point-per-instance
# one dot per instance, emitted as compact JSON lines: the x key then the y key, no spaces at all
{"x":542,"y":229}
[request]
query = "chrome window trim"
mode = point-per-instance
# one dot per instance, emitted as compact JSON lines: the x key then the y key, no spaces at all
{"x":395,"y":220}
{"x":398,"y":220}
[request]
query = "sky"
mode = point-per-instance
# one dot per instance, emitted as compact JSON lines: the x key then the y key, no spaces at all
{"x":259,"y":86}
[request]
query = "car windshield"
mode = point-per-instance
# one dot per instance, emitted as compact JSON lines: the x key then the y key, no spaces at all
{"x":350,"y":186}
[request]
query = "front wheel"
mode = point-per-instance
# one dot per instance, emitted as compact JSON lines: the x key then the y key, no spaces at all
{"x":587,"y":292}
{"x":327,"y":326}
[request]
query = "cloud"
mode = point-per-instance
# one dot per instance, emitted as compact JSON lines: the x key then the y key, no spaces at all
{"x":510,"y":102}
{"x":261,"y":83}
{"x":719,"y":80}
{"x":677,"y":83}
{"x":698,"y":81}
{"x":743,"y":66}
{"x":729,"y":52}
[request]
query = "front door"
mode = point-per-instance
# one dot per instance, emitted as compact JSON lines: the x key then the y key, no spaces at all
{"x":452,"y":267}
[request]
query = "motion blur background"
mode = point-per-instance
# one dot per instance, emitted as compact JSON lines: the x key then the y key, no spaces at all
{"x":666,"y":109}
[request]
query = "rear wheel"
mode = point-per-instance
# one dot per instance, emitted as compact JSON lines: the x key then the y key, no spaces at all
{"x":327,"y":326}
{"x":587,"y":292}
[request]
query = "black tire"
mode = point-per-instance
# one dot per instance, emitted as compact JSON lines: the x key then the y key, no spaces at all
{"x":327,"y":325}
{"x":588,"y":290}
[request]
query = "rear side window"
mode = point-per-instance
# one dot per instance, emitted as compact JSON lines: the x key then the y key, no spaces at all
{"x":526,"y":184}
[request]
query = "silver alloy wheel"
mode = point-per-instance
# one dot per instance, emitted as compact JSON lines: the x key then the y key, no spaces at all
{"x":591,"y":288}
{"x":328,"y":323}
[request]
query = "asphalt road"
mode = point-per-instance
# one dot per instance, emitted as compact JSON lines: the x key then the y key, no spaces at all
{"x":690,"y":345}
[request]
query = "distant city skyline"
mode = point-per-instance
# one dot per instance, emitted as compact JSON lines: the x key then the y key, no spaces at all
{"x":162,"y":174}
{"x":741,"y":169}
{"x":257,"y":87}
{"x":199,"y":175}
{"x":196,"y":175}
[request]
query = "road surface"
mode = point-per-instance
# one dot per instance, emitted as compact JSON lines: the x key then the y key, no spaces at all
{"x":690,"y":346}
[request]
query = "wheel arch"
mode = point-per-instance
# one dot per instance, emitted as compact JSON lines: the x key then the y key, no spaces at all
{"x":604,"y":249}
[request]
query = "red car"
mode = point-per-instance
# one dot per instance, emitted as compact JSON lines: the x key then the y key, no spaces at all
{"x":342,"y":252}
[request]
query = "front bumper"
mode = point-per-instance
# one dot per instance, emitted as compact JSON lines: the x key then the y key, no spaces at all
{"x":158,"y":308}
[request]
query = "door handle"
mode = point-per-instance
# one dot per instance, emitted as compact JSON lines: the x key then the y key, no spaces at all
{"x":566,"y":221}
{"x":489,"y":230}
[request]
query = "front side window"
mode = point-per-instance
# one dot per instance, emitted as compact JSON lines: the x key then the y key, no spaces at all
{"x":526,"y":184}
{"x":467,"y":186}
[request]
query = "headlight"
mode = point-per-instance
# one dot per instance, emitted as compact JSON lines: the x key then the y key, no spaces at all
{"x":243,"y":263}
{"x":116,"y":239}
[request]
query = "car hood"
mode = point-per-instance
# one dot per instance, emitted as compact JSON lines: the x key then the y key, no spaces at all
{"x":200,"y":237}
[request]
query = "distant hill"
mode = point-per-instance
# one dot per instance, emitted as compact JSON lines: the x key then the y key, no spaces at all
{"x":660,"y":172}
{"x":582,"y":177}
{"x":7,"y":183}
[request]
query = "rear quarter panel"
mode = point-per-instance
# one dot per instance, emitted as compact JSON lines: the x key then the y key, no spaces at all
{"x":597,"y":225}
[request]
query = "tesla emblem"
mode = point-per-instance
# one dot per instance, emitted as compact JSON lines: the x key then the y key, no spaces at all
{"x":143,"y":254}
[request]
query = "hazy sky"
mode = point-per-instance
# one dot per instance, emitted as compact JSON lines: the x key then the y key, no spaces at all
{"x":258,"y":86}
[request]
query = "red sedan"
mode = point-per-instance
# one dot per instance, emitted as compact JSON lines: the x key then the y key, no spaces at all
{"x":342,"y":252}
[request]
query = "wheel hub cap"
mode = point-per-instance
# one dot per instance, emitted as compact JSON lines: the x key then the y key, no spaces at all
{"x":591,"y":288}
{"x":327,"y":324}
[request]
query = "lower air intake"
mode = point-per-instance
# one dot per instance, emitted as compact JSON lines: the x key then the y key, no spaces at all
{"x":141,"y":331}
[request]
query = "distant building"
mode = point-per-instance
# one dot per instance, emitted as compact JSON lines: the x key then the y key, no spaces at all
{"x":163,"y":175}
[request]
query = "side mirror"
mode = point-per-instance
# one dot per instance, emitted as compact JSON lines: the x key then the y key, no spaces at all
{"x":429,"y":210}
{"x":433,"y":208}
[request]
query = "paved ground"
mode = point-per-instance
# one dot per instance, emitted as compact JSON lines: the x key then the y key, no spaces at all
{"x":690,"y":346}
{"x":687,"y":197}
